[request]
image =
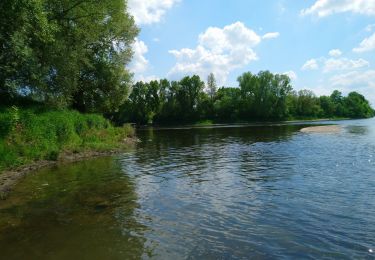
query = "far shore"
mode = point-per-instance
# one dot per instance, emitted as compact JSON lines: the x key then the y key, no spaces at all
{"x":244,"y":124}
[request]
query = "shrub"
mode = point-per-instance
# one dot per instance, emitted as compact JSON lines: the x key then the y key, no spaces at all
{"x":28,"y":134}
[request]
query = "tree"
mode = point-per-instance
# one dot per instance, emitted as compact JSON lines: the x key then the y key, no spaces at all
{"x":328,"y":106}
{"x":264,"y":96}
{"x":68,"y":53}
{"x":307,"y":104}
{"x":25,"y":32}
{"x":188,"y":97}
{"x":211,"y":86}
{"x":357,"y":106}
{"x":337,"y":100}
{"x":227,"y":104}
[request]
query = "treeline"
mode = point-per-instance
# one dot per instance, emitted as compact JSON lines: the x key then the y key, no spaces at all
{"x":261,"y":97}
{"x":66,"y":53}
{"x":73,"y":54}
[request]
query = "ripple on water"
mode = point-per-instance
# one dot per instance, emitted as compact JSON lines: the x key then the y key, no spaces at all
{"x":236,"y":193}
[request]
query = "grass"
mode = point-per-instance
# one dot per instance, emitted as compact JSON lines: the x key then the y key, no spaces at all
{"x":204,"y":123}
{"x":27,"y":135}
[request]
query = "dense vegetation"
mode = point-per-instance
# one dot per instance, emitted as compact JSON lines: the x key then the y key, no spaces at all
{"x":261,"y":97}
{"x":35,"y":132}
{"x":68,"y":53}
{"x":58,"y":57}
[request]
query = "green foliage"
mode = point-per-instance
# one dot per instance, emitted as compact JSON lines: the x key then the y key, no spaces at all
{"x":264,"y":96}
{"x":261,"y":97}
{"x":33,"y":136}
{"x":357,"y":106}
{"x":211,"y":86}
{"x":69,"y":53}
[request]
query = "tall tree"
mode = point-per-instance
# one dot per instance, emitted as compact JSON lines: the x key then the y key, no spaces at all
{"x":67,"y":52}
{"x":357,"y":106}
{"x":211,"y":86}
{"x":25,"y":31}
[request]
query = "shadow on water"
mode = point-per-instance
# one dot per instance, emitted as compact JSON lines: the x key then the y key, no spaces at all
{"x":358,"y":130}
{"x":197,"y":136}
{"x":85,"y":210}
{"x":204,"y":193}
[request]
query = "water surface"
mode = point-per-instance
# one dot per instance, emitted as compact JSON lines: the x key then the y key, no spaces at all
{"x":208,"y":193}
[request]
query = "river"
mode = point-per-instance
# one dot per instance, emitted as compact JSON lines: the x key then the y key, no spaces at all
{"x":229,"y":192}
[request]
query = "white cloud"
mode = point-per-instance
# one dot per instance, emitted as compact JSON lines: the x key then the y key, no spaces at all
{"x":219,"y":50}
{"x":368,"y":44}
{"x":311,"y":65}
{"x":323,"y":8}
{"x":369,"y":27}
{"x":139,"y":63}
{"x":334,"y":64}
{"x":344,"y":64}
{"x":292,"y":75}
{"x":148,"y":78}
{"x":149,"y":11}
{"x":354,"y":77}
{"x":335,"y":53}
{"x":271,"y":35}
{"x":362,"y":82}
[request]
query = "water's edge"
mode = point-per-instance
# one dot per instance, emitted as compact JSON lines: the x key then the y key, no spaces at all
{"x":10,"y":178}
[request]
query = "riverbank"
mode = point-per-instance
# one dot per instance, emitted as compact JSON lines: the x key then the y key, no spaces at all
{"x":34,"y":137}
{"x":9,"y":178}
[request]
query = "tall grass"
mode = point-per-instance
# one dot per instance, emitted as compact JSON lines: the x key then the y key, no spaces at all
{"x":28,"y":135}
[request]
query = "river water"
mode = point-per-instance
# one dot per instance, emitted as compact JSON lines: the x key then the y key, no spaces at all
{"x":230,"y":192}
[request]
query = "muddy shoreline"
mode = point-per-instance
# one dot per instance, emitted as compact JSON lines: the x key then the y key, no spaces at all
{"x":9,"y":178}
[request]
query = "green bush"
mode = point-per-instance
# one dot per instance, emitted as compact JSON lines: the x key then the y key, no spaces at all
{"x":27,"y":135}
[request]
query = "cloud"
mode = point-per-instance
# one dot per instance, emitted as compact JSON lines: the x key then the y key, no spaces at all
{"x":344,"y":64}
{"x":369,"y":27}
{"x":362,"y":82}
{"x":311,"y":65}
{"x":291,"y":74}
{"x":148,"y":78}
{"x":322,"y":8}
{"x":139,"y":63}
{"x":368,"y":44}
{"x":354,"y":77}
{"x":334,"y":64}
{"x":271,"y":35}
{"x":335,"y":53}
{"x":219,"y":50}
{"x":149,"y":11}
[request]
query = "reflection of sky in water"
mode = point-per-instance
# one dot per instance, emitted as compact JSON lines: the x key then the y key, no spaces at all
{"x":241,"y":192}
{"x":234,"y":192}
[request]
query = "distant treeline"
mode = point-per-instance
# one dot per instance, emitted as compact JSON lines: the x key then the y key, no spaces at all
{"x":74,"y":54}
{"x":261,"y":97}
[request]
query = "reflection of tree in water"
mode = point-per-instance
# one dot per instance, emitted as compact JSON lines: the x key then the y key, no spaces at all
{"x":204,"y":153}
{"x":357,"y":130}
{"x":163,"y":138}
{"x":205,"y":145}
{"x":84,"y":210}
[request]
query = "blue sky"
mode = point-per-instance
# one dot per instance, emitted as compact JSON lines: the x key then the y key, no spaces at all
{"x":322,"y":44}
